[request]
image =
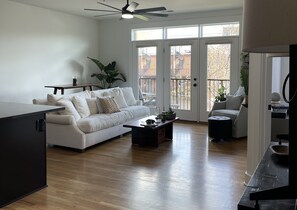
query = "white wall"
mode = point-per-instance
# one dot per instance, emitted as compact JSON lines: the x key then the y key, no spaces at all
{"x":114,"y":45}
{"x":41,"y":47}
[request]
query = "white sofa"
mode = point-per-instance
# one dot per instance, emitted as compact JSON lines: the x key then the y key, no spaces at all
{"x":85,"y":121}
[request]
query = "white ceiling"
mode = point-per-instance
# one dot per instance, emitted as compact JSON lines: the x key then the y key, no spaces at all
{"x":76,"y":7}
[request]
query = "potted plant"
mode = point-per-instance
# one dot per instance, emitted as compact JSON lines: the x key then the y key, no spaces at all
{"x":108,"y":74}
{"x":244,"y":74}
{"x":221,"y":94}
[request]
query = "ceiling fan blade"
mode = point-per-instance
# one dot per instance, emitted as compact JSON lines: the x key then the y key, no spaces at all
{"x":153,"y":9}
{"x":141,"y":17}
{"x":156,"y":14}
{"x":132,"y":6}
{"x":100,"y":10}
{"x":115,"y":13}
{"x":109,"y":6}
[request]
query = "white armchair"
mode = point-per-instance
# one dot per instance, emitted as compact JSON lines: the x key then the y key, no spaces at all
{"x":234,"y":109}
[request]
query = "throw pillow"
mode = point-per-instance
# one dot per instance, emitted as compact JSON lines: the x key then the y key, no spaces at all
{"x":81,"y":106}
{"x":108,"y":105}
{"x":129,"y":96}
{"x":97,"y":93}
{"x":233,"y":102}
{"x":52,"y":99}
{"x":240,"y":91}
{"x":92,"y":103}
{"x":69,"y":108}
{"x":118,"y":96}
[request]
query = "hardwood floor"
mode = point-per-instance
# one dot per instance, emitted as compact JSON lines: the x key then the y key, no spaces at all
{"x":188,"y":173}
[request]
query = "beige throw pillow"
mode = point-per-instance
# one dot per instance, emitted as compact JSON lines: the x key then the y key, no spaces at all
{"x":118,"y":96}
{"x":92,"y":103}
{"x":108,"y":105}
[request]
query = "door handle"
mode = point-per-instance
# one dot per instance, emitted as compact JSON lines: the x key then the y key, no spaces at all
{"x":40,"y":125}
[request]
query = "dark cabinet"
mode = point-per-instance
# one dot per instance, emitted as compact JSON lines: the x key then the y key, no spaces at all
{"x":22,"y":150}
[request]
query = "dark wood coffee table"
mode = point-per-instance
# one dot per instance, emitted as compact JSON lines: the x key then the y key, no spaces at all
{"x":150,"y":135}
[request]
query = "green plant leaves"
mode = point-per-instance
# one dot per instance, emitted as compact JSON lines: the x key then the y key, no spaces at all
{"x":108,"y":74}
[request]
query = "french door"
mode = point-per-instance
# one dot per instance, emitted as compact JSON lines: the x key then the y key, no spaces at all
{"x":181,"y":83}
{"x":219,"y":67}
{"x":184,"y":74}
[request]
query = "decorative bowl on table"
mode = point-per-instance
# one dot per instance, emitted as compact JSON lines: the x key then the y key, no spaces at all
{"x":150,"y":121}
{"x":280,"y":150}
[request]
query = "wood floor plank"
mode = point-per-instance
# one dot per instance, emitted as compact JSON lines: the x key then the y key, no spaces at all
{"x":189,"y":172}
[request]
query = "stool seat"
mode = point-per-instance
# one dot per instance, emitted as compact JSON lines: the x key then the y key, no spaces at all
{"x":220,"y":127}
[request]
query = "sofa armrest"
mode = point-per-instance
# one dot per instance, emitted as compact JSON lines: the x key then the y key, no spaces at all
{"x":42,"y":101}
{"x":240,"y":123}
{"x":60,"y":119}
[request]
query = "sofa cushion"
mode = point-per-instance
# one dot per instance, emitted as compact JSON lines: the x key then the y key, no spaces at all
{"x":92,"y":103}
{"x":108,"y":105}
{"x":102,"y":121}
{"x":81,"y":106}
{"x":129,"y":96}
{"x":118,"y":96}
{"x":233,"y":102}
{"x":226,"y":112}
{"x":137,"y":111}
{"x":98,"y":93}
{"x":53,"y":98}
{"x":69,"y":108}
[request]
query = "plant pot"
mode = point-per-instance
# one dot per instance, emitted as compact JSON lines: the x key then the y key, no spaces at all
{"x":170,"y":116}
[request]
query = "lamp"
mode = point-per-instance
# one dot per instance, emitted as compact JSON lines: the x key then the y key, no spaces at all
{"x":127,"y":15}
{"x":270,"y":27}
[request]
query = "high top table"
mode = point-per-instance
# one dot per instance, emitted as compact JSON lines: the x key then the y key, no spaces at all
{"x":22,"y":150}
{"x":71,"y":86}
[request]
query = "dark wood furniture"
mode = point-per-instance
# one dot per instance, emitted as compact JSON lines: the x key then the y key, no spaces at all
{"x":272,"y":172}
{"x":151,"y":136}
{"x":219,"y":127}
{"x":71,"y":86}
{"x":22,"y":150}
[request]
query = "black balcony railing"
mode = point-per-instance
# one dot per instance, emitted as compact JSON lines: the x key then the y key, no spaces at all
{"x":180,"y":91}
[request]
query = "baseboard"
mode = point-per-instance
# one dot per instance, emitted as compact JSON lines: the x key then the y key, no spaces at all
{"x":247,"y":178}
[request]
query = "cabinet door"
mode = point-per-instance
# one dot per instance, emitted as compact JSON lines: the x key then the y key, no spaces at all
{"x":22,"y":157}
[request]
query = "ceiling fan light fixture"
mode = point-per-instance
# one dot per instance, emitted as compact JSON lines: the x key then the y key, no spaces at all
{"x":127,"y":16}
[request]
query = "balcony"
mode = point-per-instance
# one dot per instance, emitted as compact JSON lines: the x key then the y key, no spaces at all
{"x":180,"y":94}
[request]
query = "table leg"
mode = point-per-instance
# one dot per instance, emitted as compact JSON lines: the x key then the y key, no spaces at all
{"x":55,"y":91}
{"x":169,"y":131}
{"x":62,"y":91}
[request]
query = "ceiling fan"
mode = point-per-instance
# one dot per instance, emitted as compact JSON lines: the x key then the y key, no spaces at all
{"x":129,"y":11}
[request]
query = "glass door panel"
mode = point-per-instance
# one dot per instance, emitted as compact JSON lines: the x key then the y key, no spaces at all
{"x":218,"y":71}
{"x":181,"y":87}
{"x":147,"y":75}
{"x":180,"y":77}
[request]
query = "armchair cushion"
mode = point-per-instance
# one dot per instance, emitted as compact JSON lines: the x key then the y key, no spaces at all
{"x":233,"y":102}
{"x":226,"y":112}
